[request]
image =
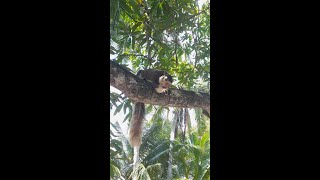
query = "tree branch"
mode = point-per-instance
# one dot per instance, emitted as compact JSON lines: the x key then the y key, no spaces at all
{"x":140,"y":90}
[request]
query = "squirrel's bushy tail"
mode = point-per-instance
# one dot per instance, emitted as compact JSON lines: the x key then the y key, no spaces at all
{"x":136,"y":125}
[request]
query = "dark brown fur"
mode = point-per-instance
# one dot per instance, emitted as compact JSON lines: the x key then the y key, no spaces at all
{"x":153,"y":75}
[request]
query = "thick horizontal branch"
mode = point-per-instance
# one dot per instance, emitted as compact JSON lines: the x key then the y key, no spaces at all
{"x":140,"y":90}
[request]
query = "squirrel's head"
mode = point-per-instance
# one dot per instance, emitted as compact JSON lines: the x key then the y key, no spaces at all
{"x":165,"y":81}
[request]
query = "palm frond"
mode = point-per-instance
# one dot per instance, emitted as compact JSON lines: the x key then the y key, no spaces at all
{"x":141,"y":173}
{"x":164,"y":146}
{"x":165,"y":152}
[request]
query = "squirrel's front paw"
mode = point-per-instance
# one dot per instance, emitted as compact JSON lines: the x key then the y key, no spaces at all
{"x":165,"y":91}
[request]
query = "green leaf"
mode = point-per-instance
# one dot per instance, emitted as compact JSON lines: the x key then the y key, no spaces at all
{"x":127,"y":117}
{"x":113,"y":48}
{"x":161,"y":53}
{"x":113,"y":101}
{"x":113,"y":134}
{"x":125,"y":6}
{"x":116,"y":144}
{"x":124,"y":107}
{"x":135,"y":7}
{"x":128,"y":44}
{"x":149,"y":109}
{"x":136,"y":26}
{"x":118,"y":108}
{"x":114,"y":171}
{"x":115,"y":126}
{"x":204,"y":139}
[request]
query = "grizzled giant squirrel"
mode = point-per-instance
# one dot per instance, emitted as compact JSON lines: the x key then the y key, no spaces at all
{"x":161,"y":81}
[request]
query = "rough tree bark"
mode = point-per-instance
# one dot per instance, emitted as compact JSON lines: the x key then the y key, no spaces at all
{"x":140,"y":90}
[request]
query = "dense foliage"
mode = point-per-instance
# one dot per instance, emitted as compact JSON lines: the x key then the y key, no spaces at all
{"x":172,"y":35}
